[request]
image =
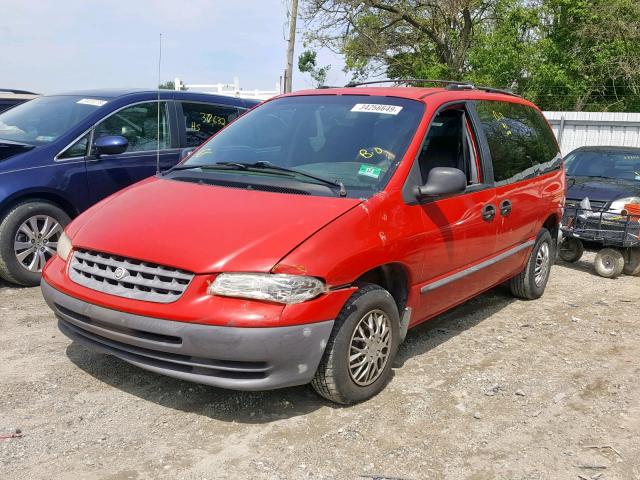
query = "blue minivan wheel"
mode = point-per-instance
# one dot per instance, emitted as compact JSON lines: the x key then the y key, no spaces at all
{"x":29,"y":236}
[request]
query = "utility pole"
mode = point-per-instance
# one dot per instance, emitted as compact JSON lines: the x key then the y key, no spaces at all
{"x":288,"y":73}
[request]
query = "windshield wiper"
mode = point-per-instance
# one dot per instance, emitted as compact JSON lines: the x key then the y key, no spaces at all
{"x":261,"y":166}
{"x":214,"y":166}
{"x":13,"y":143}
{"x":264,"y":165}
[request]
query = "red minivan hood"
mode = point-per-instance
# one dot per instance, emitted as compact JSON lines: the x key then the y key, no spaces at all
{"x":204,"y":228}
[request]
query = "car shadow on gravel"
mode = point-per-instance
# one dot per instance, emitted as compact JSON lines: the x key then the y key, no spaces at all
{"x":438,"y":330}
{"x":215,"y":403}
{"x":5,"y":285}
{"x":264,"y":407}
{"x":585,"y":266}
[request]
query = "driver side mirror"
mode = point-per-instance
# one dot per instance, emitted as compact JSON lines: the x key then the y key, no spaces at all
{"x":110,"y":145}
{"x":442,"y":181}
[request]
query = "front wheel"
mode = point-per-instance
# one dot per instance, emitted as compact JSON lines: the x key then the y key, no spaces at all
{"x":29,"y":236}
{"x":356,"y":364}
{"x":532,"y":281}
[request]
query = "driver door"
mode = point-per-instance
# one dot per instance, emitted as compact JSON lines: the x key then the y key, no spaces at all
{"x":459,"y":236}
{"x":137,"y":123}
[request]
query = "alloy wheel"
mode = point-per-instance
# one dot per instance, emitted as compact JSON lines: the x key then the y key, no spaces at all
{"x":370,"y":347}
{"x":36,"y":241}
{"x":543,"y":258}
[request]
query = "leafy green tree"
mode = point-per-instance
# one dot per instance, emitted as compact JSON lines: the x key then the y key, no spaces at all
{"x":307,"y":63}
{"x":561,"y":54}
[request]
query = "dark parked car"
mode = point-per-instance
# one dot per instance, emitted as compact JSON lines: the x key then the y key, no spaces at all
{"x":608,"y":176}
{"x":10,"y":98}
{"x":60,"y":154}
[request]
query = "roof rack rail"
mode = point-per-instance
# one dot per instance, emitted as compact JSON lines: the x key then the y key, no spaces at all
{"x":497,"y":90}
{"x":449,"y":85}
{"x":408,"y":80}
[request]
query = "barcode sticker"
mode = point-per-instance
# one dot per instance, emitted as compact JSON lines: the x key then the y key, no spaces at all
{"x":376,"y":108}
{"x":92,"y":101}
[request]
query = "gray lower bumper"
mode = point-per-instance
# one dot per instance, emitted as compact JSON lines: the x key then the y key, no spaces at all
{"x":227,"y":357}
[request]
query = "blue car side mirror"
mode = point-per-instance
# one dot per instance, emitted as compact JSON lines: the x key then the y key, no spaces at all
{"x":110,"y":145}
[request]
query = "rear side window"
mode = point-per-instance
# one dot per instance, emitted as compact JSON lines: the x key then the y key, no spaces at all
{"x":521,"y":143}
{"x":202,"y":120}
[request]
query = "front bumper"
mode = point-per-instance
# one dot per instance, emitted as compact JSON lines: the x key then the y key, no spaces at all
{"x":227,"y":357}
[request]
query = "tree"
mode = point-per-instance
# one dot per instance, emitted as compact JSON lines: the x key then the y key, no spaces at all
{"x":307,"y":64}
{"x":170,"y":85}
{"x":562,"y":54}
{"x":377,"y":35}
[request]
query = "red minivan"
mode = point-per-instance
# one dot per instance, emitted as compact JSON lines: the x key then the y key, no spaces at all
{"x":301,"y":242}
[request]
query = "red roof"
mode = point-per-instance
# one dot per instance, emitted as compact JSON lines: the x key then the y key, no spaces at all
{"x":415,"y":93}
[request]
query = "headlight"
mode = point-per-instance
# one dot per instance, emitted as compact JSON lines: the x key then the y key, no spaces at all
{"x":618,"y":205}
{"x":278,"y":288}
{"x":64,"y":247}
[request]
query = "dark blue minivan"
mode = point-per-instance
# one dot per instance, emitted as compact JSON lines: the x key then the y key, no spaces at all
{"x":60,"y":154}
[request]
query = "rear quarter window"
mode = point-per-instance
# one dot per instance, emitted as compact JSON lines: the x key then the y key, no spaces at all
{"x":202,"y":120}
{"x":520,"y":141}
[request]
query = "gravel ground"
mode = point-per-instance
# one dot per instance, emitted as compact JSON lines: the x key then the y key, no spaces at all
{"x":495,"y":389}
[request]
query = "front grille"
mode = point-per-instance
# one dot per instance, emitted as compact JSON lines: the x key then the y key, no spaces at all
{"x":126,"y":277}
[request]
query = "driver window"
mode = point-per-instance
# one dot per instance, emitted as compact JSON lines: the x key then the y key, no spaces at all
{"x":449,"y":144}
{"x":139,"y":125}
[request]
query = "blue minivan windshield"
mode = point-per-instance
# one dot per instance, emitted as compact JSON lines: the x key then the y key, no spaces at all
{"x":44,"y":119}
{"x":355,"y":141}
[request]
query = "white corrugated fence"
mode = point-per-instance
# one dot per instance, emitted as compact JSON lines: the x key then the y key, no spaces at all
{"x":580,"y":129}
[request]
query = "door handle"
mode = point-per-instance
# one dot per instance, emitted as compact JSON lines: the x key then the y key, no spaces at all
{"x":488,"y":212}
{"x":505,"y":208}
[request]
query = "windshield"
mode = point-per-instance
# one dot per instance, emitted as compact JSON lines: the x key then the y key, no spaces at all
{"x":44,"y":119}
{"x":355,"y":141}
{"x":612,"y":164}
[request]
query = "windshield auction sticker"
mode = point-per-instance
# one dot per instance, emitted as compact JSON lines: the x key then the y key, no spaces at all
{"x":369,"y":171}
{"x":376,"y":108}
{"x":92,"y":101}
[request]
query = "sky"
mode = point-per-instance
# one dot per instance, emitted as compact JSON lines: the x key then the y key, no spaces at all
{"x":50,"y":46}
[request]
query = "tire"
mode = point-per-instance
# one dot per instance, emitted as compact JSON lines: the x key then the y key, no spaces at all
{"x":571,"y":250}
{"x":14,"y":241}
{"x":336,"y":377}
{"x":532,"y":281}
{"x":609,"y":263}
{"x":632,"y":266}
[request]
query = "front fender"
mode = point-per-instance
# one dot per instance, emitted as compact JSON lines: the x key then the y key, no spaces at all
{"x":379,"y":231}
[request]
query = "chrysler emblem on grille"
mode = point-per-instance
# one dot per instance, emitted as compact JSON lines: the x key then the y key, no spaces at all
{"x":120,"y":273}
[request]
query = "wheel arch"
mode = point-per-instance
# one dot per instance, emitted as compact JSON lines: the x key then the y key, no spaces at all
{"x":393,"y":277}
{"x":552,"y":223}
{"x":52,"y":196}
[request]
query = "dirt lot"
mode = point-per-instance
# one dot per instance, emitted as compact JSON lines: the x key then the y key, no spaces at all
{"x":496,"y":389}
